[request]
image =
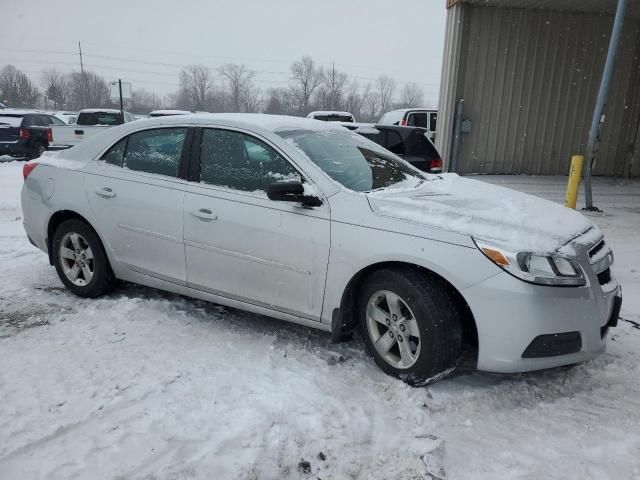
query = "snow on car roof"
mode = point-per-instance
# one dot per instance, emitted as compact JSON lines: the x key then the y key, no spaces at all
{"x":426,"y":109}
{"x":329,"y":112}
{"x":17,"y":111}
{"x":170,"y":112}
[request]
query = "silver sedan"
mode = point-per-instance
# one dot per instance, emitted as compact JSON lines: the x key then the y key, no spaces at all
{"x":308,"y":222}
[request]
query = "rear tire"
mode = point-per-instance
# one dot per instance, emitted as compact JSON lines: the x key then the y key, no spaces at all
{"x":37,"y":150}
{"x":80,"y":260}
{"x":411,"y":324}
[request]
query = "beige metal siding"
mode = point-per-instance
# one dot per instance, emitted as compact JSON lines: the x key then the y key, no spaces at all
{"x":449,"y":78}
{"x":530,"y":78}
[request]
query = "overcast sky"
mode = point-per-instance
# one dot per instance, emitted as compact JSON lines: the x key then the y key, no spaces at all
{"x":147,"y":41}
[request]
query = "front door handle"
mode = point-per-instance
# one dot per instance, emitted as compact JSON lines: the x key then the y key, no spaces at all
{"x":205,"y":214}
{"x":105,"y":192}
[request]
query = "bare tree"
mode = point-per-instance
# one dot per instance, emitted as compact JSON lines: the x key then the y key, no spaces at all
{"x":411,"y":95}
{"x":239,"y":80}
{"x":371,"y":103}
{"x":196,"y":86}
{"x":144,"y":102}
{"x":354,"y":100}
{"x":386,"y":88}
{"x":54,"y":84}
{"x":16,"y":89}
{"x":306,"y":77}
{"x":334,"y":83}
{"x":88,"y":90}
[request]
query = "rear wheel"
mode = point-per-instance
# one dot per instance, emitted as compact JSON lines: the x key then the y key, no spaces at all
{"x":411,"y":325}
{"x":37,"y":150}
{"x":80,"y":260}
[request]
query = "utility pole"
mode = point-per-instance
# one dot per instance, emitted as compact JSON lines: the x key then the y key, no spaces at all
{"x":121,"y":107}
{"x":333,"y":83}
{"x":598,"y":111}
{"x":84,"y":78}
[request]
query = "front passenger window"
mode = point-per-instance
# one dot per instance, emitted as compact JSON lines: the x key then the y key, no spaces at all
{"x":242,"y":162}
{"x":155,"y":151}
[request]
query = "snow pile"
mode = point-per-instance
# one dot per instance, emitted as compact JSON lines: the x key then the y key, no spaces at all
{"x":515,"y":220}
{"x":142,"y":384}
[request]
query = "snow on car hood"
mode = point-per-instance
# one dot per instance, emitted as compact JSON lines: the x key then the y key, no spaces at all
{"x":515,"y":220}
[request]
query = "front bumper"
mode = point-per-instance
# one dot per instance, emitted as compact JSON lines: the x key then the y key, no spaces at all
{"x":511,"y":315}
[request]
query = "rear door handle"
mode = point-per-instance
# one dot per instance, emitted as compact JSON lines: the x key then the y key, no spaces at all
{"x":105,"y":192}
{"x":205,"y":214}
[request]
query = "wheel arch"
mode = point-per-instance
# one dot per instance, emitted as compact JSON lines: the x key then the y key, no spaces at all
{"x":56,"y":220}
{"x":344,"y":319}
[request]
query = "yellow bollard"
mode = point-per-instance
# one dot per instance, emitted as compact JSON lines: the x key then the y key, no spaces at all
{"x":577,"y":162}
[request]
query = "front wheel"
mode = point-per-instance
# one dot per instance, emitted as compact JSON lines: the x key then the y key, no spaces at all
{"x":80,"y":259}
{"x":410,"y":324}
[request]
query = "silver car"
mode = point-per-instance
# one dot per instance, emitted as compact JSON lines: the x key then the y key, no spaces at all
{"x":308,"y":222}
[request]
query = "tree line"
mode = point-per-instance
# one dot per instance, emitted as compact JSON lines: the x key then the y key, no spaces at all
{"x":229,"y":88}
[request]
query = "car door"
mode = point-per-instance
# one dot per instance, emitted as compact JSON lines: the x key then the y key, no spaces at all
{"x":241,"y":245}
{"x":136,"y":194}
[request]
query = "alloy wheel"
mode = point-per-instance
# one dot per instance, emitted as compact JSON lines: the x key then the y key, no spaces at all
{"x":76,"y":259}
{"x":393,"y":329}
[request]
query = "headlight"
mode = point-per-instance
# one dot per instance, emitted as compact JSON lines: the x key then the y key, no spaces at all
{"x":542,"y":269}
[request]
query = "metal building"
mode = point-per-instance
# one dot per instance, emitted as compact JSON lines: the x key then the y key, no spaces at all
{"x":528,"y":72}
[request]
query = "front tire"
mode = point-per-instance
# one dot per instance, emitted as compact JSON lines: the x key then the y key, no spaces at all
{"x":411,"y":325}
{"x":80,"y":260}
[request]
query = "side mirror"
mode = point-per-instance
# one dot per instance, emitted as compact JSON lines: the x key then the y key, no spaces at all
{"x":291,"y":192}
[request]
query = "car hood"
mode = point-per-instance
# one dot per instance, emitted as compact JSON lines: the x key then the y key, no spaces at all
{"x":514,"y":220}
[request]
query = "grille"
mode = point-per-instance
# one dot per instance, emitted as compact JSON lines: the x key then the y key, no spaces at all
{"x":601,"y":259}
{"x":596,"y":248}
{"x":604,"y":276}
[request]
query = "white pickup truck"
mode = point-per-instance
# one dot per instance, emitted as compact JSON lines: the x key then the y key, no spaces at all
{"x":89,"y":122}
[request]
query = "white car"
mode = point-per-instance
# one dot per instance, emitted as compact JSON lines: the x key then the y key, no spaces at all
{"x":311,"y":223}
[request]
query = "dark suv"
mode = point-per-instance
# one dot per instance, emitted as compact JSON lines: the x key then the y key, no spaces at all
{"x":25,"y":133}
{"x":410,"y":143}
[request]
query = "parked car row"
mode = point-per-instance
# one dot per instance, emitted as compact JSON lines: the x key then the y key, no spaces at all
{"x":88,"y":123}
{"x":409,"y":143}
{"x":25,"y":133}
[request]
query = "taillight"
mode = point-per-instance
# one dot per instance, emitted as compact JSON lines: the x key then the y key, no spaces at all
{"x":28,"y":168}
{"x":49,"y":135}
{"x":436,"y":165}
{"x":24,"y":134}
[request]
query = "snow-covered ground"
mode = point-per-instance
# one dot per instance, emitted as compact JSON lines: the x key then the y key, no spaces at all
{"x":147,"y":385}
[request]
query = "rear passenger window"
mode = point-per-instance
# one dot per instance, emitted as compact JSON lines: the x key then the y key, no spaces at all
{"x":242,"y":162}
{"x":115,"y":155}
{"x":155,"y":151}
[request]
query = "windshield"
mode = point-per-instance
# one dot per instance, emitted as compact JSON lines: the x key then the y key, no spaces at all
{"x":352,"y":160}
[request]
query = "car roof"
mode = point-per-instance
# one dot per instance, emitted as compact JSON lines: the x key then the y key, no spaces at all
{"x":419,"y":109}
{"x":330,"y":112}
{"x":250,"y":121}
{"x":258,"y":123}
{"x":100,"y":110}
{"x":17,"y":112}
